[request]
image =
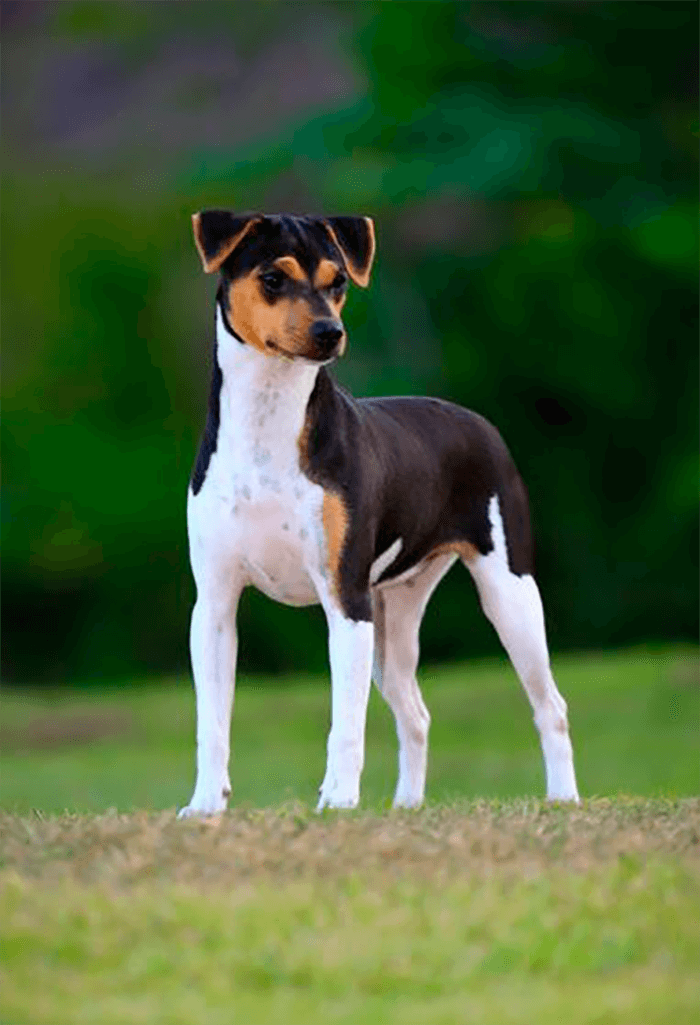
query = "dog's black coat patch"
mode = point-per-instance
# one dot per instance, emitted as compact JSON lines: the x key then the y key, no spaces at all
{"x":305,"y":238}
{"x":217,"y":226}
{"x":211,"y":428}
{"x":419,"y":469}
{"x":355,"y":237}
{"x":221,"y":303}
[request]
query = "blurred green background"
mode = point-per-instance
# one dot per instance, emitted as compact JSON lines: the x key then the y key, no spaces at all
{"x":532,"y":172}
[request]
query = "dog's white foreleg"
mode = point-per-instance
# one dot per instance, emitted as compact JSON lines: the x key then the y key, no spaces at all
{"x":351,"y":648}
{"x":213,"y":647}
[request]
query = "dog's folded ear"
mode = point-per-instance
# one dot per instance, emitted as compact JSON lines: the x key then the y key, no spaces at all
{"x":354,"y":236}
{"x":217,"y":233}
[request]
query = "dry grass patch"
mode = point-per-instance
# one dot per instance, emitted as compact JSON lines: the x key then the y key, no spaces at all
{"x":521,"y":837}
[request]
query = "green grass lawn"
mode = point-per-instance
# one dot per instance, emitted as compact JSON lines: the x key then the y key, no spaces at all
{"x":481,"y":909}
{"x":633,"y":714}
{"x":479,"y":913}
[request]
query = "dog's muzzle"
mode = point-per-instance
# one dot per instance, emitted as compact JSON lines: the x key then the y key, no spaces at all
{"x":327,"y":336}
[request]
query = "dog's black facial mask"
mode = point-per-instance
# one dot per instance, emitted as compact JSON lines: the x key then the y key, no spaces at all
{"x":284,"y":278}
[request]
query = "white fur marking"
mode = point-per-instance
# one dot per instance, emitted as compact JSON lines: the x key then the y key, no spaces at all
{"x":213,"y":644}
{"x":351,"y":650}
{"x":384,"y":560}
{"x":513,"y":605}
{"x":498,"y":536}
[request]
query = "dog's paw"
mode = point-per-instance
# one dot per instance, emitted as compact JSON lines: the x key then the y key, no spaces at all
{"x":334,"y":802}
{"x":564,"y":792}
{"x":335,"y":796}
{"x":203,"y":808}
{"x":406,"y":800}
{"x":564,"y":798}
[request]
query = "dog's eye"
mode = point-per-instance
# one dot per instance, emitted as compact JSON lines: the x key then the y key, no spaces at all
{"x":273,"y":280}
{"x":338,"y":282}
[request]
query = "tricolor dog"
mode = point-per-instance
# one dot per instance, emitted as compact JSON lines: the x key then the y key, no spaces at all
{"x":361,"y":505}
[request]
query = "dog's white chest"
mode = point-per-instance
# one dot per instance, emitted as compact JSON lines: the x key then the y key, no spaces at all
{"x":256,"y":512}
{"x":275,"y":528}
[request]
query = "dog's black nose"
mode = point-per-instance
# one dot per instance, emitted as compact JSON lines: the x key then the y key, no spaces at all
{"x":326,"y":334}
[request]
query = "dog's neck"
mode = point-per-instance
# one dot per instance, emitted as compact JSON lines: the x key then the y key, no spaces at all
{"x":263,"y":397}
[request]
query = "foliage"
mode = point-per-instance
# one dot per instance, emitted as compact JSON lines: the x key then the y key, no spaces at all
{"x":532,"y":172}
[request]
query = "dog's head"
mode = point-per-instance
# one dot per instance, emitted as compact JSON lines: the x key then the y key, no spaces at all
{"x":284,"y":278}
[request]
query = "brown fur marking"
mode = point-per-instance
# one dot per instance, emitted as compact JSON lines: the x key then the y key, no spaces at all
{"x":290,"y":265}
{"x":303,"y":445}
{"x":464,"y":549}
{"x":336,"y":305}
{"x":243,"y":302}
{"x":344,"y":339}
{"x":335,"y":527}
{"x":283,"y":327}
{"x":326,"y":273}
{"x":212,"y":263}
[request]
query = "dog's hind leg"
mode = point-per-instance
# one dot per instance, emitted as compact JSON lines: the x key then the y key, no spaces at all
{"x":512,"y":603}
{"x":398,"y":611}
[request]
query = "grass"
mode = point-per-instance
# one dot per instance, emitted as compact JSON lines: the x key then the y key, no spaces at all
{"x":314,"y":954}
{"x":634,"y":718}
{"x":482,"y":908}
{"x":482,"y":912}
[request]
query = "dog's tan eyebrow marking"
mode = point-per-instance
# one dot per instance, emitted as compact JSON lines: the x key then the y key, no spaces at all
{"x":290,"y":265}
{"x":326,"y":273}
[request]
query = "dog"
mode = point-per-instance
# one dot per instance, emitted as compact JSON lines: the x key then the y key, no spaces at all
{"x":361,"y":505}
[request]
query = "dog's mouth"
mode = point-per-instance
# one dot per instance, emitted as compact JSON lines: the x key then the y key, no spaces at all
{"x":310,"y":357}
{"x":278,"y":350}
